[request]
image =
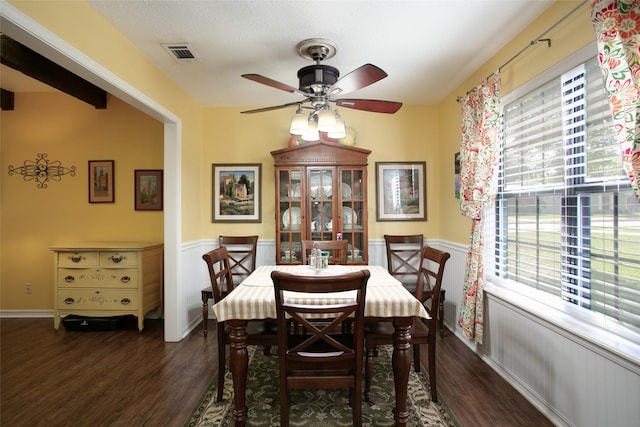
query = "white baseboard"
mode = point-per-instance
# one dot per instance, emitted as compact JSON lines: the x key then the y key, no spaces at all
{"x":25,"y":314}
{"x":521,"y":387}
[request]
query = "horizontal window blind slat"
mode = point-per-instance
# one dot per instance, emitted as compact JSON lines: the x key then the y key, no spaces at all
{"x":566,"y":221}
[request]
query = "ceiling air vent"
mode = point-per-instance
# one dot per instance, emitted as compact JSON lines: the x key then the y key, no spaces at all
{"x":181,"y":52}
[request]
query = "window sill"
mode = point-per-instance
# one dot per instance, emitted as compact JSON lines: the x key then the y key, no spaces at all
{"x":571,"y":322}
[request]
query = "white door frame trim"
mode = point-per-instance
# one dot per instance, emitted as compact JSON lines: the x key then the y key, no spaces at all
{"x":27,"y":31}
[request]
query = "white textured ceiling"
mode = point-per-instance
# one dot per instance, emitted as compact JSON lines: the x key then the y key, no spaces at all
{"x":427,"y":47}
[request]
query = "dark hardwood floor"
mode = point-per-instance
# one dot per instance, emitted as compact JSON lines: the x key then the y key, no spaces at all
{"x":123,"y":378}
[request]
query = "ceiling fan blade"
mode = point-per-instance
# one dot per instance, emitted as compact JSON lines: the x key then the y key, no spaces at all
{"x":275,"y":107}
{"x":357,"y":79}
{"x":273,"y":83}
{"x":372,"y":105}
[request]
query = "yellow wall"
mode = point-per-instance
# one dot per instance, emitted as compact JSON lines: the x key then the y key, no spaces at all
{"x":569,"y":37}
{"x":82,"y":27}
{"x":72,"y":132}
{"x":409,"y":135}
{"x":223,"y":135}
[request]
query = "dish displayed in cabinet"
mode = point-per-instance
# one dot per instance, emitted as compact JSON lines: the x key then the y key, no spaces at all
{"x":354,"y":254}
{"x":348,"y":227}
{"x":349,"y":217}
{"x":321,"y":189}
{"x":346,"y":190}
{"x":294,"y":191}
{"x":291,"y":218}
{"x":321,"y":194}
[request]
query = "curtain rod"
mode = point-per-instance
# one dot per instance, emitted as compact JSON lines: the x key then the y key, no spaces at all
{"x":533,"y":43}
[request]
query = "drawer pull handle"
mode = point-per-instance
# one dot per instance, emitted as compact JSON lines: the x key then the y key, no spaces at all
{"x":75,"y":258}
{"x":125,"y":301}
{"x":69,"y":300}
{"x":125,"y":279}
{"x":117,"y":259}
{"x":69,"y":279}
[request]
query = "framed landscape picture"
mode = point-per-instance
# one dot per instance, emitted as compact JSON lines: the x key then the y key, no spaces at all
{"x":236,"y":192}
{"x":148,"y":189}
{"x":401,"y":191}
{"x":101,"y":188}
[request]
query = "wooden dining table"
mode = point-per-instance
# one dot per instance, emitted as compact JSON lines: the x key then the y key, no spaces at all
{"x":254,"y":299}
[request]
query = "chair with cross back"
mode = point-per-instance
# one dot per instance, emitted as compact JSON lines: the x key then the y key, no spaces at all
{"x":241,"y":251}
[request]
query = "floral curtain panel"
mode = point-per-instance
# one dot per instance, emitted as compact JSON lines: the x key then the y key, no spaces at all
{"x":617,"y":27}
{"x":479,"y":155}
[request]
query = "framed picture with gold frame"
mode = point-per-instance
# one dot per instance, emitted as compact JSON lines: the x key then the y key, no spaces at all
{"x":101,"y":181}
{"x":236,"y":192}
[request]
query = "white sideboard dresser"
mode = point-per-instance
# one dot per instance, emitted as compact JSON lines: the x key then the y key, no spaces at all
{"x":108,"y":279}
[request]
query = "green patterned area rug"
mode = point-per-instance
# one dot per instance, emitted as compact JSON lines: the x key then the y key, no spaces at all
{"x":320,"y":408}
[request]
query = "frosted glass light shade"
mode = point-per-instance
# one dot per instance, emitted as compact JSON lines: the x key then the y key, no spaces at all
{"x":299,"y":124}
{"x":326,"y":120}
{"x":311,"y":133}
{"x":339,"y":131}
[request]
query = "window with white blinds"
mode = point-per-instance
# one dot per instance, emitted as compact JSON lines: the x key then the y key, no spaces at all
{"x":566,"y":220}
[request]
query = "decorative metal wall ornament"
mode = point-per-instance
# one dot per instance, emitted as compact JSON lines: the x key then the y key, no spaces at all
{"x":42,"y":170}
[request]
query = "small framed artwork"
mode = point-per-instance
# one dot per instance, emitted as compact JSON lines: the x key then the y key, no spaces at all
{"x":148,"y":189}
{"x":101,"y":179}
{"x":237,"y":192}
{"x":401,"y":191}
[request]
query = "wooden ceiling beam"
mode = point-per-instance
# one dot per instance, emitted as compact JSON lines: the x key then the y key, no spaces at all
{"x":31,"y":63}
{"x":6,"y":100}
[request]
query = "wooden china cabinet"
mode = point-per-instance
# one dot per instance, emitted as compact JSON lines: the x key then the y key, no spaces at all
{"x":321,"y":194}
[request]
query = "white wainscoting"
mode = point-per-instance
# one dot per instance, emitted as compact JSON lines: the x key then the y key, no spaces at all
{"x":569,"y":378}
{"x":452,"y":281}
{"x":196,"y":277}
{"x":572,"y":381}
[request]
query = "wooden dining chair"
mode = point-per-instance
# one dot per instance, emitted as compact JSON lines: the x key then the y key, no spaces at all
{"x":380,"y":331}
{"x":259,"y":332}
{"x":325,"y":356}
{"x":403,"y":257}
{"x":241,"y":251}
{"x":403,"y":260}
{"x":337,"y":250}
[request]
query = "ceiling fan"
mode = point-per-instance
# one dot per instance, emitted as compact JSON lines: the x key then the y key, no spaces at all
{"x":320,"y":84}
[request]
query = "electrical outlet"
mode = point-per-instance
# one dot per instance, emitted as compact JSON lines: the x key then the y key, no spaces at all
{"x":27,"y":288}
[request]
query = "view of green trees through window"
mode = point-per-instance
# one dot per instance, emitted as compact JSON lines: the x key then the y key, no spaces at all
{"x":567,"y":221}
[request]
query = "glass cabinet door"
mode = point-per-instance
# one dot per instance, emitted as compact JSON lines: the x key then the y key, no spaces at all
{"x":290,"y":214}
{"x":320,"y":204}
{"x":321,"y":194}
{"x":353,"y":213}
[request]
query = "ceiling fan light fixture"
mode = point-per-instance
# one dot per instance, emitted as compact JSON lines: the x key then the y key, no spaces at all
{"x":340,"y":129}
{"x":326,"y":120}
{"x":299,"y":123}
{"x":319,"y":84}
{"x":312,"y":133}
